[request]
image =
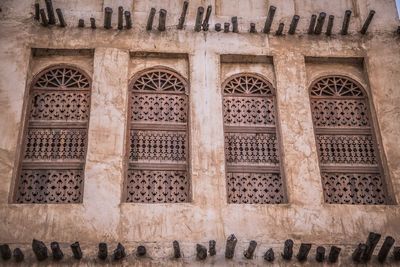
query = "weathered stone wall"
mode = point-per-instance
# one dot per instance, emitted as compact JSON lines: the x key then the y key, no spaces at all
{"x":110,"y":60}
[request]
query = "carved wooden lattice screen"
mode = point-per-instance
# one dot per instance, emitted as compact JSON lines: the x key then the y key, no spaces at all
{"x":349,"y":159}
{"x":251,"y":145}
{"x":55,"y":140}
{"x":158,"y":141}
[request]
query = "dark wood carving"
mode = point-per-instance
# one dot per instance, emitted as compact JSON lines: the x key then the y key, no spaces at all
{"x":230,"y":246}
{"x":334,"y":254}
{"x":76,"y":250}
{"x":269,"y":255}
{"x":119,"y":252}
{"x":372,"y":241}
{"x":288,"y":250}
{"x":5,"y":252}
{"x":103,"y":251}
{"x":303,"y":252}
{"x":249,"y":252}
{"x":212,"y":247}
{"x":320,"y":254}
{"x":56,"y":251}
{"x":177,"y":249}
{"x":358,"y":252}
{"x":386,"y":246}
{"x":40,"y":250}
{"x":201,"y":252}
{"x":18,"y":255}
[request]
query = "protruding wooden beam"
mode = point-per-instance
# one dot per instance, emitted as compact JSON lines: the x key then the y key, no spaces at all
{"x":288,"y":250}
{"x":120,"y":18}
{"x":270,"y":18}
{"x":183,"y":15}
{"x":107,"y":17}
{"x":207,"y":18}
{"x":199,"y":18}
{"x":56,"y":251}
{"x":103,"y":251}
{"x":128,"y":19}
{"x":226,"y":26}
{"x":37,"y":11}
{"x":61,"y":18}
{"x":367,"y":22}
{"x":218,"y":27}
{"x":248,"y":254}
{"x":50,"y":12}
{"x":177,"y":249}
{"x":212,"y":247}
{"x":358,"y":252}
{"x":40,"y":250}
{"x":76,"y":250}
{"x":346,"y":23}
{"x":5,"y":252}
{"x":384,"y":251}
{"x":311,"y":27}
{"x":320,"y":23}
{"x":150,"y":19}
{"x":235,"y":26}
{"x":320,"y":254}
{"x":303,"y":252}
{"x":18,"y":255}
{"x":329,"y":27}
{"x":396,"y":253}
{"x":81,"y":23}
{"x":253,"y":27}
{"x":93,"y":23}
{"x":162,"y":20}
{"x":201,"y":252}
{"x":334,"y":254}
{"x":141,"y":251}
{"x":279,"y":32}
{"x":269,"y":255}
{"x":230,"y":246}
{"x":372,"y":241}
{"x":45,"y":22}
{"x":119,"y":252}
{"x":293,"y":24}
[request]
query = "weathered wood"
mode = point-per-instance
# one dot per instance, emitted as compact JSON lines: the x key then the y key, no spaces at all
{"x":334,"y":254}
{"x":103,"y":251}
{"x":270,"y":18}
{"x":150,"y":19}
{"x":61,"y":18}
{"x":107,"y":17}
{"x":386,"y":246}
{"x":162,"y":18}
{"x":311,"y":27}
{"x":367,"y":22}
{"x":212,"y":247}
{"x":201,"y":252}
{"x":279,"y":31}
{"x":398,"y":30}
{"x":358,"y":252}
{"x":93,"y":23}
{"x":18,"y":255}
{"x":128,"y":19}
{"x":183,"y":15}
{"x":207,"y":18}
{"x":5,"y":252}
{"x":56,"y":251}
{"x":199,"y":18}
{"x":120,"y":18}
{"x":396,"y":253}
{"x":119,"y":252}
{"x":293,"y":24}
{"x":40,"y":250}
{"x":226,"y":26}
{"x":248,"y":254}
{"x":320,"y":23}
{"x":81,"y":23}
{"x":235,"y":26}
{"x":330,"y":25}
{"x":372,"y":241}
{"x":177,"y":249}
{"x":288,"y":249}
{"x":141,"y":251}
{"x":253,"y":27}
{"x":218,"y":27}
{"x":269,"y":255}
{"x":346,"y":22}
{"x":37,"y":11}
{"x":303,"y":252}
{"x":76,"y":250}
{"x":45,"y":22}
{"x":50,"y":12}
{"x":320,"y":254}
{"x":230,"y":246}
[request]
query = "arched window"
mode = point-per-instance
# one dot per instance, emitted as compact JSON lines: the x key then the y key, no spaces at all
{"x":55,"y":138}
{"x":251,"y":143}
{"x":158,"y":139}
{"x":348,"y":155}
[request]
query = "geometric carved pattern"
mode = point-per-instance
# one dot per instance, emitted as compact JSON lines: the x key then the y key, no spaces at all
{"x":251,"y":148}
{"x":55,"y":142}
{"x":158,"y":145}
{"x":251,"y":141}
{"x":346,"y":142}
{"x":50,"y":186}
{"x":255,"y":188}
{"x":157,"y":186}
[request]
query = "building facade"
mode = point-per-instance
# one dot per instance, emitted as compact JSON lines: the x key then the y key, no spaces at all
{"x":145,"y":136}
